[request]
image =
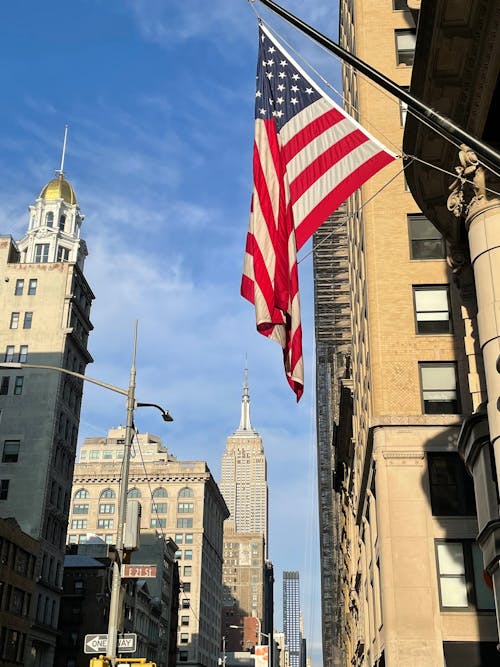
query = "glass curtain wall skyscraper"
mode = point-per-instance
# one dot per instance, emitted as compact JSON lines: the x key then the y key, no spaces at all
{"x":291,"y":616}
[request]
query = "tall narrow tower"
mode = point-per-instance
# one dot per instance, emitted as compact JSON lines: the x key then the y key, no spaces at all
{"x":244,"y":486}
{"x":292,"y":617}
{"x":244,"y":475}
{"x":45,"y":301}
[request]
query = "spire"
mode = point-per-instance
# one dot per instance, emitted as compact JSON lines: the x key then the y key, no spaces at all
{"x":245,"y":424}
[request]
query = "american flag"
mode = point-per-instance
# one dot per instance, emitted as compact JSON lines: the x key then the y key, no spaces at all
{"x":308,"y":158}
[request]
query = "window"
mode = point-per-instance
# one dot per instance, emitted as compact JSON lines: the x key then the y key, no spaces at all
{"x":32,"y":286}
{"x":178,"y":554}
{"x":185,"y":508}
{"x":28,"y":318}
{"x":41,"y":253}
{"x":108,"y":493}
{"x":78,"y":524}
{"x":439,"y":388}
{"x":81,"y":508}
{"x":4,"y":488}
{"x":11,"y":451}
{"x":82,"y":493}
{"x":49,"y":219}
{"x":183,"y":656}
{"x":62,"y":254}
{"x":159,"y":508}
{"x":72,"y":539}
{"x":62,"y":222}
{"x":184,"y":523}
{"x":188,"y":554}
{"x":19,"y":287}
{"x":179,"y":538}
{"x":158,"y":523}
{"x":9,"y":353}
{"x":460,"y":574}
{"x":160,"y":492}
{"x":184,"y":637}
{"x":189,"y":537}
{"x":107,"y":454}
{"x":451,"y":488}
{"x":425,"y":240}
{"x":4,"y":386}
{"x":105,"y":523}
{"x":185,"y":603}
{"x":405,"y":46}
{"x":188,"y":570}
{"x":14,"y":320}
{"x":399,"y":4}
{"x":23,"y":354}
{"x":94,"y":454}
{"x":78,"y":586}
{"x":134,"y":493}
{"x":432,"y":309}
{"x":186,"y":492}
{"x":186,"y":586}
{"x":184,"y":620}
{"x":18,"y":385}
{"x":106,"y":508}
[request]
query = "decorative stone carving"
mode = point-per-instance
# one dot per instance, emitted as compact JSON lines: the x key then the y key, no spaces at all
{"x":470,"y":185}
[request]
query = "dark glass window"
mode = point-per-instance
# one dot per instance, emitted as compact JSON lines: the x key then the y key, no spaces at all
{"x":14,"y":320}
{"x":28,"y":319}
{"x":19,"y":287}
{"x":425,"y":240}
{"x":460,"y":575}
{"x":11,"y":451}
{"x":32,"y":286}
{"x":49,"y":219}
{"x":439,"y":388}
{"x":432,"y":309}
{"x":4,"y":386}
{"x":405,"y":46}
{"x":18,"y":385}
{"x":399,"y":4}
{"x":451,"y":488}
{"x":41,"y":253}
{"x":4,"y":488}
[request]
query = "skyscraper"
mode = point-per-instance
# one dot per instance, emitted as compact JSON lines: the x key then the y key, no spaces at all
{"x":244,"y":487}
{"x":292,"y":617}
{"x":45,"y":301}
{"x":244,"y":475}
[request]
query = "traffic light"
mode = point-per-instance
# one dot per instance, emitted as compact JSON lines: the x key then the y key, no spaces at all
{"x":101,"y":661}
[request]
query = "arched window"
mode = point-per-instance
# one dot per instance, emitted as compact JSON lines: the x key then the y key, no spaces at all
{"x":82,"y":493}
{"x":62,"y":222}
{"x":134,"y":493}
{"x":160,"y":492}
{"x":108,"y":493}
{"x":49,"y":219}
{"x":186,"y":492}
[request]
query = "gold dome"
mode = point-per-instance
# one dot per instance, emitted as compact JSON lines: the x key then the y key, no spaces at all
{"x":59,"y":188}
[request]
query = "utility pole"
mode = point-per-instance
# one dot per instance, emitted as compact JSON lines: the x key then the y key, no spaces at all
{"x":116,"y":602}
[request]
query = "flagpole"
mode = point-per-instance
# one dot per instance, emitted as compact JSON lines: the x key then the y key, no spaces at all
{"x":433,"y":118}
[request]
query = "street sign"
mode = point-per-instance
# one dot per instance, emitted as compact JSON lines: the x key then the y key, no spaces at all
{"x":138,"y":571}
{"x":98,"y":643}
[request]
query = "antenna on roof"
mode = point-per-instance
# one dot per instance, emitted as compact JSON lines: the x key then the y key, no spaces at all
{"x":60,"y":171}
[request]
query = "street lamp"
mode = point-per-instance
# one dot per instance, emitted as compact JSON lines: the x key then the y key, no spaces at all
{"x":116,"y":603}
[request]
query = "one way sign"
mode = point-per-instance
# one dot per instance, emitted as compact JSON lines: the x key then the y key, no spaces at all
{"x":97,"y":643}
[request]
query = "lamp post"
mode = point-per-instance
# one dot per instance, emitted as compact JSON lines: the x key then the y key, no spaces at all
{"x":116,"y":602}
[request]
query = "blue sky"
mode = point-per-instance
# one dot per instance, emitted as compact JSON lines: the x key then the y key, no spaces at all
{"x":159,"y":99}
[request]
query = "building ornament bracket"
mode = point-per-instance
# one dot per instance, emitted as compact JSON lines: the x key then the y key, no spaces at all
{"x":468,"y":190}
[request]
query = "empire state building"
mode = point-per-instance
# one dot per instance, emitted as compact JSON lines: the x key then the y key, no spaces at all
{"x":244,"y":476}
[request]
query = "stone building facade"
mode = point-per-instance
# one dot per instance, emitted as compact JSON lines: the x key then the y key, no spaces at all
{"x":179,"y":500}
{"x":409,"y":588}
{"x":45,"y":300}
